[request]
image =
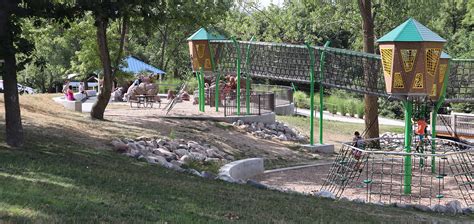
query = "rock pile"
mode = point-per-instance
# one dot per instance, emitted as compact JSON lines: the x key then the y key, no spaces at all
{"x":172,"y":154}
{"x":277,"y":130}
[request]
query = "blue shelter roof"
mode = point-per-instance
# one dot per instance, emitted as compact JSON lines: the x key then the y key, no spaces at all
{"x":136,"y":66}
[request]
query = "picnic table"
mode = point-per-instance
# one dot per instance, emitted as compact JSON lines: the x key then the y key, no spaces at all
{"x":146,"y":101}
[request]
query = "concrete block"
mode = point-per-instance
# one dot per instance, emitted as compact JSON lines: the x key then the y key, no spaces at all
{"x":287,"y":109}
{"x":242,"y":169}
{"x":72,"y":105}
{"x":320,"y":148}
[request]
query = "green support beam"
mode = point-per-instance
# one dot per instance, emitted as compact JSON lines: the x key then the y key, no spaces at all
{"x":311,"y":99}
{"x":434,"y":116}
{"x":247,"y":78}
{"x":237,"y":48}
{"x":202,"y":101}
{"x":321,"y":90}
{"x":408,"y":140}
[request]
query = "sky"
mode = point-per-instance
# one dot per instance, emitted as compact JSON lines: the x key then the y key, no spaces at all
{"x":265,"y":3}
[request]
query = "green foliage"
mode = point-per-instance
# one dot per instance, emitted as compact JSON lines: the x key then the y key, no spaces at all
{"x":390,"y":109}
{"x":191,"y":84}
{"x":342,"y":108}
{"x":360,"y":110}
{"x":462,"y":107}
{"x":301,"y":99}
{"x":352,"y":108}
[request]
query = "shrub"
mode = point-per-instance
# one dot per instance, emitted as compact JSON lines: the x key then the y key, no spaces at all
{"x":301,"y":99}
{"x":360,"y":110}
{"x":332,"y":108}
{"x":351,"y":107}
{"x":342,"y":108}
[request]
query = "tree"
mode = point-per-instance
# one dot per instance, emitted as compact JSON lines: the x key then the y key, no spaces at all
{"x":371,"y":104}
{"x":11,"y":44}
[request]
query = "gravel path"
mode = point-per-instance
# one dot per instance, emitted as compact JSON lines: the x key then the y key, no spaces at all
{"x":336,"y":117}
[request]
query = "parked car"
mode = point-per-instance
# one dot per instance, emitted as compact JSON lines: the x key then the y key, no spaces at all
{"x":21,"y":88}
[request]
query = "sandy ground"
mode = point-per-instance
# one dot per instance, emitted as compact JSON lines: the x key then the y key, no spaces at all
{"x":424,"y":190}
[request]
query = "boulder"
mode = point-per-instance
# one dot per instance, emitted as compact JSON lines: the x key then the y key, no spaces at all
{"x":325,"y":194}
{"x":194,"y":172}
{"x":208,"y":175}
{"x":119,"y":146}
{"x":454,"y":207}
{"x":468,"y":210}
{"x":439,"y":208}
{"x":185,"y":159}
{"x":422,"y":208}
{"x":282,"y":137}
{"x":181,"y":152}
{"x":163,"y":162}
{"x":197,"y":156}
{"x":193,"y":144}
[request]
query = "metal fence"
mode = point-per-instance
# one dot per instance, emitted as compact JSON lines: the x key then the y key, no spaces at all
{"x":283,"y":94}
{"x":260,"y":103}
{"x":456,"y":125}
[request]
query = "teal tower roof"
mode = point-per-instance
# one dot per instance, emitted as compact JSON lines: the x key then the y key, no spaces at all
{"x":202,"y":34}
{"x":411,"y":31}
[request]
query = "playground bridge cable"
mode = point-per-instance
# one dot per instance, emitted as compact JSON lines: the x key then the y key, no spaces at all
{"x":345,"y":69}
{"x":460,"y":87}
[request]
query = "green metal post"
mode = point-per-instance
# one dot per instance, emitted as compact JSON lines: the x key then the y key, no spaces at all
{"x":321,"y":90}
{"x":247,"y":78}
{"x":236,"y":45}
{"x":408,"y":140}
{"x":201,"y":97}
{"x":311,"y":100}
{"x":213,"y":66}
{"x":199,"y":88}
{"x":434,"y":117}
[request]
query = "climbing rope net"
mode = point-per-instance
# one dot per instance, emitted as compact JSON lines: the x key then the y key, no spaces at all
{"x":379,"y":175}
{"x":345,"y":69}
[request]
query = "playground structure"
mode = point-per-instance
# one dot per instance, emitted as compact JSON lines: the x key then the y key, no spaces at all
{"x":411,"y":68}
{"x":379,"y":174}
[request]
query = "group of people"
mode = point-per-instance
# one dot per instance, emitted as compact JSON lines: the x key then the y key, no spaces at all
{"x":69,"y":93}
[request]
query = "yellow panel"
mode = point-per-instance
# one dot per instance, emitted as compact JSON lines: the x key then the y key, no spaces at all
{"x":207,"y":63}
{"x":200,"y":50}
{"x":196,"y":63}
{"x":398,"y":81}
{"x":433,"y":90}
{"x":408,"y":58}
{"x":442,"y":71}
{"x":418,"y":82}
{"x":432,"y":58}
{"x":387,"y":60}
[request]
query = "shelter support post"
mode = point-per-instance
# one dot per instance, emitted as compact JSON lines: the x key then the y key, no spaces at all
{"x":311,"y":99}
{"x":247,"y":78}
{"x":408,"y":140}
{"x":237,"y":48}
{"x":321,"y":90}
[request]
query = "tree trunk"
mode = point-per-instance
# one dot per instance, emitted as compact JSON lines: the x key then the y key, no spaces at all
{"x":371,"y":104}
{"x":14,"y":128}
{"x":103,"y":99}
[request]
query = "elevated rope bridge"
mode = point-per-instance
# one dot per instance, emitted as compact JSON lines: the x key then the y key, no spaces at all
{"x":344,"y":69}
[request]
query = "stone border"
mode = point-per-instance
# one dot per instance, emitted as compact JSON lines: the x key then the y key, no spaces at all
{"x":241,"y":170}
{"x":297,"y":167}
{"x":267,"y":118}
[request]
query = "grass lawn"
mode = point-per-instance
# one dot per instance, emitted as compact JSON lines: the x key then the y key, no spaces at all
{"x":56,"y":179}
